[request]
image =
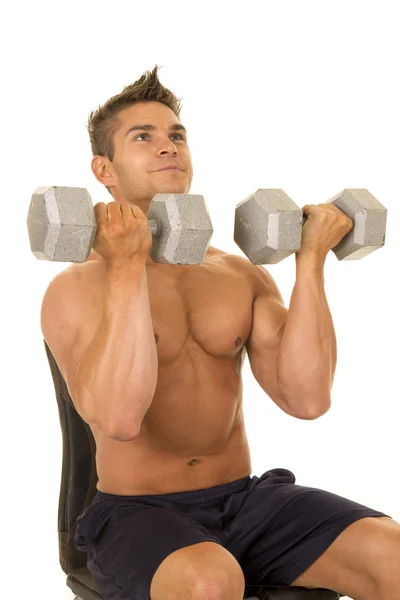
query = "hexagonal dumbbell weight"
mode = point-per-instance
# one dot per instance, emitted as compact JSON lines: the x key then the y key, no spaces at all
{"x":268,"y":225}
{"x":62,"y":226}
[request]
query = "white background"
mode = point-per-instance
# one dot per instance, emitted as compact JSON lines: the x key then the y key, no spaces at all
{"x":296,"y":95}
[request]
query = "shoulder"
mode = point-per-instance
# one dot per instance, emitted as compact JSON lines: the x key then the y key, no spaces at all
{"x":262,"y":280}
{"x":83,"y":273}
{"x":240,"y":264}
{"x":76,"y":284}
{"x":66,"y":288}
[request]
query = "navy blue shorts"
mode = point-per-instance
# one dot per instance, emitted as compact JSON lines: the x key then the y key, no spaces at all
{"x":274,"y":528}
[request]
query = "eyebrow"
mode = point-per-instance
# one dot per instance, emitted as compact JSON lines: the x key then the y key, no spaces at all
{"x":175,"y":127}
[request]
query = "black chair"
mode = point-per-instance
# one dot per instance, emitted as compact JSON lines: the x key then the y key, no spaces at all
{"x":78,"y":488}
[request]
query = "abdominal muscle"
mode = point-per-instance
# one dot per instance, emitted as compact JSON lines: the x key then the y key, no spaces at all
{"x":188,"y":442}
{"x":144,"y":472}
{"x":193,"y":434}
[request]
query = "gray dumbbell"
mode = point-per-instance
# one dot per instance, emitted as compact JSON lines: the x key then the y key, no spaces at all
{"x":268,"y":225}
{"x":62,"y":226}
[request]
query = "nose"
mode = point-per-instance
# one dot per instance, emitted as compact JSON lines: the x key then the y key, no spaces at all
{"x":168,"y":148}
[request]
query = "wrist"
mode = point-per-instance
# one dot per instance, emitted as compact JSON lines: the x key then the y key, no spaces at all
{"x":310,"y":264}
{"x":123,"y":264}
{"x":312,"y":257}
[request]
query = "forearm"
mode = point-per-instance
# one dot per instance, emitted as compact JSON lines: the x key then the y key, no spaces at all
{"x":118,"y":374}
{"x":307,"y":358}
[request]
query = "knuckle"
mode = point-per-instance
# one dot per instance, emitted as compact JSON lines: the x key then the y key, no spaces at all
{"x":346,"y":222}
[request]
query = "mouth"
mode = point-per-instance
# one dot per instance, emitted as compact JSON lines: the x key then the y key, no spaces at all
{"x":170,"y":169}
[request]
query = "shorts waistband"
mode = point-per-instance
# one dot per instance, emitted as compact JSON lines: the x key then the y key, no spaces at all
{"x":192,"y":496}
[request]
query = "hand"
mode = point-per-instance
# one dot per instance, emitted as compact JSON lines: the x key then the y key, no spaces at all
{"x":123,"y":232}
{"x":325,"y":227}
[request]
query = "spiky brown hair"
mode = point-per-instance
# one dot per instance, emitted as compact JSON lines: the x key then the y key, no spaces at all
{"x":103,"y":122}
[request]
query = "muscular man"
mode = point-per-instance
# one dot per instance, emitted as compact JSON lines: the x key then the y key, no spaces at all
{"x":152,"y":355}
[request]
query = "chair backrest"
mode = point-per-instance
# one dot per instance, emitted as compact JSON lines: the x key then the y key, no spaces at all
{"x":79,"y":475}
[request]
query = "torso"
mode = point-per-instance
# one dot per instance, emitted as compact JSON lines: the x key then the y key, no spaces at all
{"x":193,"y":435}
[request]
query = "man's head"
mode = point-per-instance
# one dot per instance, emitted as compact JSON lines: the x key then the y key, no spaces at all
{"x":127,"y":161}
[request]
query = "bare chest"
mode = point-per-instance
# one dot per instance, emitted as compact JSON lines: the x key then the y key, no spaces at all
{"x":202,"y":317}
{"x":208,"y":306}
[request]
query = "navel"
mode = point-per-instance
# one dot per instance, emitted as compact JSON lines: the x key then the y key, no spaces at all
{"x":156,"y":337}
{"x":193,"y":462}
{"x":238,"y":341}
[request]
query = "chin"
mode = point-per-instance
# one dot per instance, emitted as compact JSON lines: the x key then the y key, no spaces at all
{"x":173,"y":189}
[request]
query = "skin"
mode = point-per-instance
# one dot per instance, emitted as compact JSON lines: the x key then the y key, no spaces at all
{"x":133,"y":175}
{"x":205,"y":319}
{"x":187,"y":450}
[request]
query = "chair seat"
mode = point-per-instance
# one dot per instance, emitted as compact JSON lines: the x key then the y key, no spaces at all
{"x":81,"y":582}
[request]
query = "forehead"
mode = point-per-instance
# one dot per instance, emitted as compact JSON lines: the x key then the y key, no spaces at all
{"x":156,"y":113}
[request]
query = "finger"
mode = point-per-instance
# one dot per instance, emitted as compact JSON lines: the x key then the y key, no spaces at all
{"x":126,"y":212}
{"x":100,"y":210}
{"x":307,"y":208}
{"x":114,"y":211}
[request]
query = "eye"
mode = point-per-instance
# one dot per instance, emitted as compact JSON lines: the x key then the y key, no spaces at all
{"x":146,"y":134}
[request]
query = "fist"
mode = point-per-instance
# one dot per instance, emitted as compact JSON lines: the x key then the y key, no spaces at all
{"x":325,"y":227}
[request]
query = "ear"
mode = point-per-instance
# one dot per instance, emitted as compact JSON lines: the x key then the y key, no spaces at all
{"x":103,"y":170}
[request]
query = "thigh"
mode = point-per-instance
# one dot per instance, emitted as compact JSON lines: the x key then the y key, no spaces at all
{"x":126,"y":546}
{"x":294,"y":525}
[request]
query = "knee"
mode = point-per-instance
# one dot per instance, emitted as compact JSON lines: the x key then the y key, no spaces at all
{"x":220,"y":584}
{"x":203,"y":571}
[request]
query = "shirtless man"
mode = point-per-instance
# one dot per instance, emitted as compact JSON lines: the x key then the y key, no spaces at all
{"x":152,"y":356}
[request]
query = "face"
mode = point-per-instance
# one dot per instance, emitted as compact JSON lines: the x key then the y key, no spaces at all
{"x":134,"y":175}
